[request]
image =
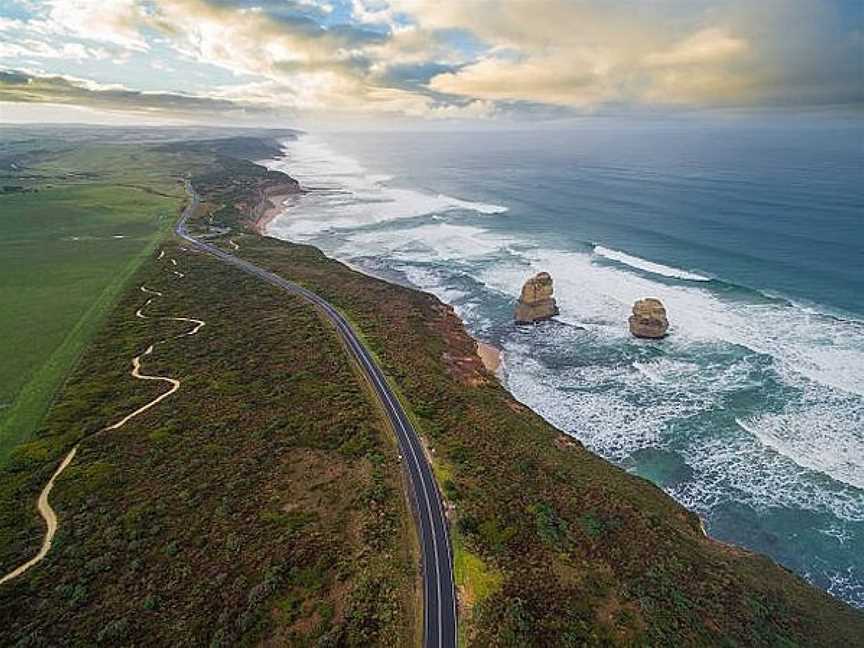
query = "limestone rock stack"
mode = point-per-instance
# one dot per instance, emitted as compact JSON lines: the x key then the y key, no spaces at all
{"x":649,"y":319}
{"x":536,"y":302}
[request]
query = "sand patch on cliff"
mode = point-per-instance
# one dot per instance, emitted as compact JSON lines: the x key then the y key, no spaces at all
{"x":490,"y":355}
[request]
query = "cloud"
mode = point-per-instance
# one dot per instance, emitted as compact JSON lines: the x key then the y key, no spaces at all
{"x":33,"y":48}
{"x":588,"y":55}
{"x":116,"y":22}
{"x":555,"y":79}
{"x":460,"y":58}
{"x":25,"y":87}
{"x":585,"y":55}
{"x":706,"y":46}
{"x":413,"y":74}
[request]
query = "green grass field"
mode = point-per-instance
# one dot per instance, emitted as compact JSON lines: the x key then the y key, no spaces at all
{"x":67,"y":245}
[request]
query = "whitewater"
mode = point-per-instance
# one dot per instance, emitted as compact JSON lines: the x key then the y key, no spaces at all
{"x":751,"y":412}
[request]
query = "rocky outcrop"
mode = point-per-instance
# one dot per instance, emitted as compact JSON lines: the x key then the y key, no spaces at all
{"x":536,"y":302}
{"x":649,"y":319}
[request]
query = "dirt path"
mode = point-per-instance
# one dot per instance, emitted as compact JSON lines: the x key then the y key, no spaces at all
{"x":50,"y":518}
{"x":42,"y":505}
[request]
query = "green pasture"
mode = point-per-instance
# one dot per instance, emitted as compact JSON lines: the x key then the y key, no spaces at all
{"x":67,"y":248}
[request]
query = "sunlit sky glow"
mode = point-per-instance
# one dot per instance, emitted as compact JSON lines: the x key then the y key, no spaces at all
{"x":271,"y":61}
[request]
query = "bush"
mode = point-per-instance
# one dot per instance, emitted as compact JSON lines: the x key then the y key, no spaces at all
{"x":114,"y":630}
{"x":551,"y":528}
{"x":591,"y":525}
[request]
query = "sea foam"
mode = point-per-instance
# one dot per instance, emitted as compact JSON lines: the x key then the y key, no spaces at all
{"x":821,"y":430}
{"x":647,"y":266}
{"x":343,"y":194}
{"x":437,"y":241}
{"x":825,"y":350}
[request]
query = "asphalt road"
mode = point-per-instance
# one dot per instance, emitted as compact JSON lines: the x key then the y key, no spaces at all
{"x":439,"y":593}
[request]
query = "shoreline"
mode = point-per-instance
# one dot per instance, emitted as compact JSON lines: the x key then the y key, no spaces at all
{"x":491,"y":359}
{"x":270,"y":207}
{"x":270,"y":198}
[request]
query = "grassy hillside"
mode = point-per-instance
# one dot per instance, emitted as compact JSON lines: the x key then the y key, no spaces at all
{"x":76,"y":222}
{"x":261,"y":504}
{"x":554,"y":546}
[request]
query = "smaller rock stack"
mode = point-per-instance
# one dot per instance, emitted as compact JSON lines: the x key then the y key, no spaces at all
{"x":536,"y":303}
{"x":649,"y":319}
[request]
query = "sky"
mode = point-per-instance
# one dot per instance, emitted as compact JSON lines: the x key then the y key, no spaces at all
{"x":423,"y":61}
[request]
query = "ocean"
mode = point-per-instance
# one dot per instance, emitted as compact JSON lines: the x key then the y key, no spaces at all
{"x":751,"y":232}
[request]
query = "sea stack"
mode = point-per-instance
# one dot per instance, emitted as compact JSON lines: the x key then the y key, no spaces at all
{"x":536,"y":303}
{"x":649,"y":319}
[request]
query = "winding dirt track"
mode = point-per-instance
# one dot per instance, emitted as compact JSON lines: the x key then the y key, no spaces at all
{"x":42,"y":504}
{"x":50,"y":517}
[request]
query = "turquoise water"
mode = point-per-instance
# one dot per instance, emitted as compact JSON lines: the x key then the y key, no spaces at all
{"x":751,"y":412}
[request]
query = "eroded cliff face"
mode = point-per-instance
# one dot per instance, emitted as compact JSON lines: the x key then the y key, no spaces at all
{"x":649,"y":319}
{"x":536,"y":302}
{"x":268,"y":196}
{"x":273,"y":186}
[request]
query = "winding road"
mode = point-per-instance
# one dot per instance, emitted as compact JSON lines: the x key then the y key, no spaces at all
{"x":439,"y":593}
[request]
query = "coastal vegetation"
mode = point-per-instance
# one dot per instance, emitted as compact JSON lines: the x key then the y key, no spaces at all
{"x":263,"y":503}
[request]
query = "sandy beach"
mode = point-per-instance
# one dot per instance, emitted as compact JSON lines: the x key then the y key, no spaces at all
{"x":275,"y":206}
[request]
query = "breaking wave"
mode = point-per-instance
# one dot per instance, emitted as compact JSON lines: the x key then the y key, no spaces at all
{"x":647,"y":266}
{"x":345,"y":195}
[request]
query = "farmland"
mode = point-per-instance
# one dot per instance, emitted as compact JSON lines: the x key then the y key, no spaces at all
{"x":74,"y":225}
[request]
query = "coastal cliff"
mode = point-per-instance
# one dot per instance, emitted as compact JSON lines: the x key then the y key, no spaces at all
{"x":552,"y":531}
{"x":269,"y":196}
{"x":242,"y":194}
